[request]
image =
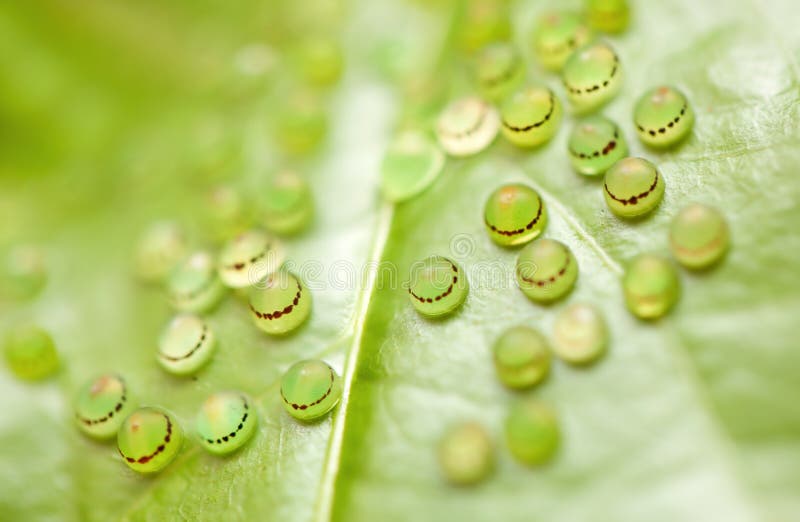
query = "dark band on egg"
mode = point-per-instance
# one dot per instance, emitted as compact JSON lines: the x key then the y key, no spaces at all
{"x":239,"y":428}
{"x":444,"y":294}
{"x":526,"y":128}
{"x":597,"y":86}
{"x":505,"y":75}
{"x":633,"y":200}
{"x":241,"y":264}
{"x":324,"y":396}
{"x":549,"y":280}
{"x":144,"y":459}
{"x":518,"y":231}
{"x":610,"y":146}
{"x":663,"y":130}
{"x":559,"y":48}
{"x":277,"y":314}
{"x":197,"y":346}
{"x":473,"y":129}
{"x":108,"y":416}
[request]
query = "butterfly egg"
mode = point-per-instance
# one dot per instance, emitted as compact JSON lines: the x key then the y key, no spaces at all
{"x":301,"y":123}
{"x":531,"y":432}
{"x":193,"y":285}
{"x":546,"y":270}
{"x":698,"y":236}
{"x":149,"y":439}
{"x":225,"y":422}
{"x":580,"y":335}
{"x":466,"y":454}
{"x":310,"y":389}
{"x":651,"y":286}
{"x":633,"y":187}
{"x":521,"y":357}
{"x":556,"y":35}
{"x":498,"y":70}
{"x":30,"y":353}
{"x":467,"y":126}
{"x":595,"y":144}
{"x":186,"y":344}
{"x":228,"y":212}
{"x":279,"y":303}
{"x":663,"y":117}
{"x":160,"y":249}
{"x":23,"y":274}
{"x":102,"y":405}
{"x":410,"y":165}
{"x":437,"y":286}
{"x":484,"y":21}
{"x":592,"y":76}
{"x":287,"y":204}
{"x":320,"y":59}
{"x":531,"y":116}
{"x":248,"y":258}
{"x":609,"y":16}
{"x":514,"y":214}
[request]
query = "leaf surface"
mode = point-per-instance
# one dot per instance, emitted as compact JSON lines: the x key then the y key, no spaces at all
{"x":693,"y":417}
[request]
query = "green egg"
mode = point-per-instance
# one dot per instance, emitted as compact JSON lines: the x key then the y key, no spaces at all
{"x":302,"y":123}
{"x":484,"y":21}
{"x":24,"y":274}
{"x":633,"y":187}
{"x":610,"y":16}
{"x":186,"y":344}
{"x":102,"y":405}
{"x":288,"y":204}
{"x":546,"y":270}
{"x":161,"y":247}
{"x":193,"y":285}
{"x":310,"y":389}
{"x":280,"y":303}
{"x":521,"y":357}
{"x":595,"y":144}
{"x":531,"y":432}
{"x":531,"y":116}
{"x":556,"y":35}
{"x":499,"y":69}
{"x":249,"y":258}
{"x":592,"y":76}
{"x":651,"y":286}
{"x":698,"y":236}
{"x":225,"y":422}
{"x":149,"y":439}
{"x":466,"y":454}
{"x":663,"y":117}
{"x":580,"y":335}
{"x":320,"y":60}
{"x":30,"y":353}
{"x":228,"y":212}
{"x":411,"y":164}
{"x":467,"y":126}
{"x":514,"y":215}
{"x":437,"y":286}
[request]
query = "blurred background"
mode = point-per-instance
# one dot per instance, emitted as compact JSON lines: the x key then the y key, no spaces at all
{"x":117,"y":115}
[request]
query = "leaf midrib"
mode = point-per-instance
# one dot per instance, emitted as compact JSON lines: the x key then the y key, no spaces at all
{"x":324,"y":505}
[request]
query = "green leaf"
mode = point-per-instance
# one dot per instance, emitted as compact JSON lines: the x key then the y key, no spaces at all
{"x":110,"y":114}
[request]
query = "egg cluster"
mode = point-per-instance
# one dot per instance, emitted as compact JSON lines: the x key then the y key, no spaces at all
{"x":528,"y":114}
